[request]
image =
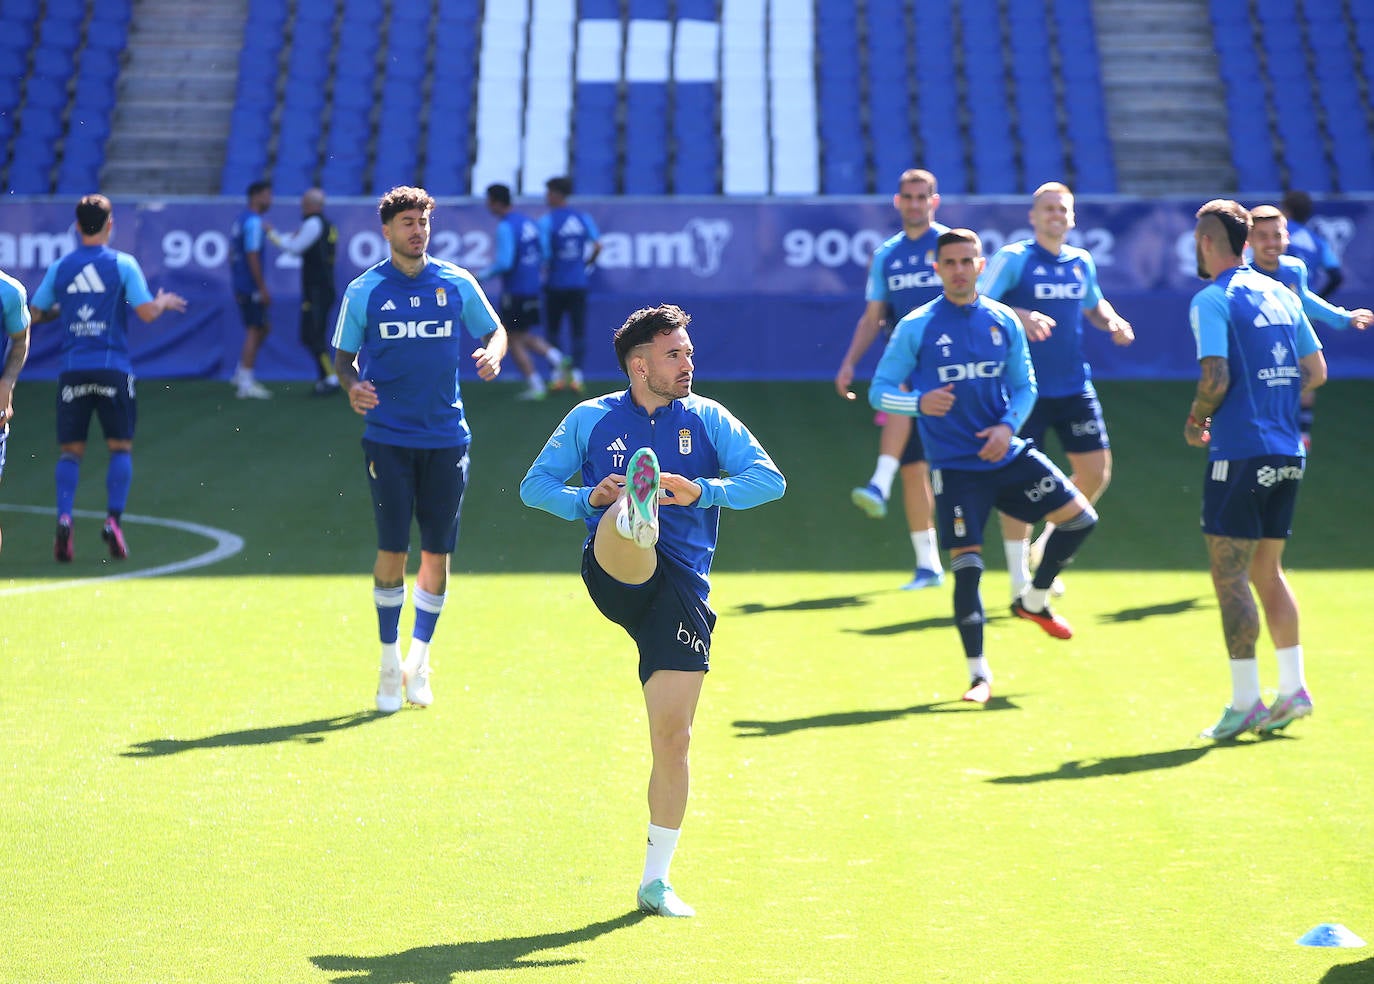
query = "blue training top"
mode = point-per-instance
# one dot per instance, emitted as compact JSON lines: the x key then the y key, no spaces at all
{"x":519,"y":256}
{"x":1259,"y":328}
{"x":902,"y":273}
{"x":1312,"y":249}
{"x":564,"y":234}
{"x":246,"y":237}
{"x":1292,"y":273}
{"x":403,"y":329}
{"x":94,"y":286}
{"x":1026,"y":275}
{"x":14,"y":305}
{"x":694,"y":437}
{"x":981,"y":349}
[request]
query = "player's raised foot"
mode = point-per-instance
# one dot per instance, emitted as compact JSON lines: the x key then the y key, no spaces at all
{"x":531,"y":394}
{"x":638,"y":520}
{"x":251,"y":389}
{"x":114,"y":538}
{"x":658,"y":898}
{"x":978,"y":692}
{"x":62,"y":543}
{"x":1046,"y":619}
{"x":1236,"y":722}
{"x":870,"y":499}
{"x":416,"y":674}
{"x":924,"y":578}
{"x":390,"y":683}
{"x":1285,"y":711}
{"x":562,"y":375}
{"x":576,"y":381}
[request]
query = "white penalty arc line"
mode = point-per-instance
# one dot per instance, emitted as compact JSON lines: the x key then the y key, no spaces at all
{"x":226,"y":545}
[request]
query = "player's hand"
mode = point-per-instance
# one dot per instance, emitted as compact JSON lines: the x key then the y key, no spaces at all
{"x":844,"y":378}
{"x":169,"y":301}
{"x":362,"y":396}
{"x":1197,"y":433}
{"x":937,"y":402}
{"x":997,"y":440}
{"x":1038,"y":326}
{"x":606,"y":491}
{"x":682,"y":491}
{"x":6,"y":403}
{"x":1121,"y":331}
{"x":1361,"y":318}
{"x":488,"y":364}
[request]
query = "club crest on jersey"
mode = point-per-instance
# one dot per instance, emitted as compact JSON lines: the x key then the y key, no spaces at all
{"x":996,"y":335}
{"x":441,"y":297}
{"x":684,"y":441}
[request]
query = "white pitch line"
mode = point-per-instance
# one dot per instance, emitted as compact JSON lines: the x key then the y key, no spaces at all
{"x":226,"y":545}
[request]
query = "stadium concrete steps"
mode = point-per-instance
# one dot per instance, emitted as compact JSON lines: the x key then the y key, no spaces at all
{"x":176,"y":94}
{"x":1165,"y":111}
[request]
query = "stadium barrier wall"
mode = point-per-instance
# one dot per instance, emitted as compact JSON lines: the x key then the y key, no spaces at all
{"x":774,"y":287}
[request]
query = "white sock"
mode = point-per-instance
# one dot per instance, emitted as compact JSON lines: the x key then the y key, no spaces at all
{"x":391,"y":654}
{"x":1037,"y":549}
{"x":1245,"y":686}
{"x":535,"y":380}
{"x":658,"y":854}
{"x":883,"y":474}
{"x":419,"y":652}
{"x":1035,"y":599}
{"x":244,"y":376}
{"x":554,"y":356}
{"x":1017,"y":552}
{"x":978,"y":667}
{"x":1291,"y":678}
{"x":332,"y":379}
{"x":927,"y":550}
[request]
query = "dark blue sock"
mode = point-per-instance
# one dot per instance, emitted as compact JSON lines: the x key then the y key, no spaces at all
{"x":68,"y":473}
{"x":968,"y":603}
{"x":1061,"y":546}
{"x":427,"y":609}
{"x":118,"y":477}
{"x":389,"y":602}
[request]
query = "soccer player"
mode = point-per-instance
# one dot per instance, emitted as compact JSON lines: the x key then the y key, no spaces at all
{"x":248,"y":272}
{"x":15,"y":319}
{"x":1269,"y":240}
{"x":1310,"y":246}
{"x":646,"y":568}
{"x":1053,"y":289}
{"x":973,"y":387}
{"x":89,"y":291}
{"x":315,"y":242}
{"x":399,"y":347}
{"x":1256,"y":351}
{"x":519,"y":262}
{"x":900,"y":279}
{"x":565,"y":234}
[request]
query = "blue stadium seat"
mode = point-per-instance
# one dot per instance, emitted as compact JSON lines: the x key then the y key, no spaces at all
{"x":31,"y":167}
{"x":53,"y":63}
{"x":9,"y":96}
{"x":99,"y":63}
{"x":24,"y":11}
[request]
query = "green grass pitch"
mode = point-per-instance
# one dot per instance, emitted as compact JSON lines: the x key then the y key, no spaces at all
{"x":196,"y":788}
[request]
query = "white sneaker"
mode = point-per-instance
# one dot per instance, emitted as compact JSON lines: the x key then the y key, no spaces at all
{"x":416,"y":676}
{"x":638,"y":519}
{"x":389,"y":682}
{"x":251,"y":389}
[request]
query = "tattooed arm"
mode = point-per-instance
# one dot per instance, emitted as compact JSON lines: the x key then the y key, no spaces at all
{"x":1212,"y":384}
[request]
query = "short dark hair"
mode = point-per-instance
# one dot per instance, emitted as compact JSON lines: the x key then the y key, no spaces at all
{"x":1297,"y":205}
{"x":498,"y":193}
{"x":259,"y":185}
{"x":1234,"y":219}
{"x":403,"y":198}
{"x":561,"y":185}
{"x":918,"y":174}
{"x":643,"y":325}
{"x":1264,"y":213}
{"x":958,"y":236}
{"x":92,"y":212}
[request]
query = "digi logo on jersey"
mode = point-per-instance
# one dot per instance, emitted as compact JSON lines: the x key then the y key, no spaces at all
{"x":960,"y":371}
{"x":1060,"y":292}
{"x":415,"y":329}
{"x":914,"y":278}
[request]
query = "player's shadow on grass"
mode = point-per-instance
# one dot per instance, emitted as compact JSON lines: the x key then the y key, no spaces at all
{"x":309,"y":732}
{"x":805,"y":605}
{"x":847,"y":719}
{"x":437,"y":964}
{"x":920,"y":625}
{"x":1124,"y":765}
{"x":1352,"y":973}
{"x":1151,"y":611}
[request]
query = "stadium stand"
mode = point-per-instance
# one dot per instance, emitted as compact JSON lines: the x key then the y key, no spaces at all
{"x":703,"y":97}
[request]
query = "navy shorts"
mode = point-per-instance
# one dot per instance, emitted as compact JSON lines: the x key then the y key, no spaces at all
{"x":914,"y":452}
{"x":108,"y":393}
{"x":1251,"y":498}
{"x":1029,"y":488}
{"x":1076,"y":419}
{"x":519,"y":312}
{"x":665,"y":616}
{"x":252,"y":311}
{"x":425,"y":484}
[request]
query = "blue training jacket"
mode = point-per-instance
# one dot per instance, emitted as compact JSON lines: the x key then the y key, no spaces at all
{"x":694,"y":437}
